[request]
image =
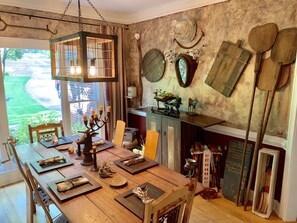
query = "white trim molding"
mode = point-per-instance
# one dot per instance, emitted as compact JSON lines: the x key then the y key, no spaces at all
{"x":238,"y":133}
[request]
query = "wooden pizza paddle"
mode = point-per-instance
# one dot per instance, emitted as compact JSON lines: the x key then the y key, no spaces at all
{"x":267,"y":71}
{"x":283,"y":52}
{"x":261,"y":39}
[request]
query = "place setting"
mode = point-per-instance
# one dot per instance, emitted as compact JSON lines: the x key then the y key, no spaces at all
{"x":73,"y":186}
{"x":50,"y":163}
{"x":135,"y":163}
{"x":136,"y":198}
{"x":56,"y":141}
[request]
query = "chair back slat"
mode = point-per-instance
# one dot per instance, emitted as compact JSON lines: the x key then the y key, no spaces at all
{"x":167,"y":208}
{"x":45,"y":131}
{"x":35,"y":189}
{"x":18,"y":162}
{"x":151,"y":144}
{"x":191,"y":195}
{"x":119,"y":133}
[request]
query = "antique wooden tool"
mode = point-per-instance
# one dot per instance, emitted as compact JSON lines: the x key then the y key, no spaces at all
{"x":283,"y":52}
{"x":267,"y":71}
{"x":261,"y":39}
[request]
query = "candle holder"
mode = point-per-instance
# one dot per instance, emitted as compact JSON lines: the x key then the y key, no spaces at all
{"x":95,"y":123}
{"x":94,"y":168}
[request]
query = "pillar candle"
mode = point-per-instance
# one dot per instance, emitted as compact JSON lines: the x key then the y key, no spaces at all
{"x":92,"y":111}
{"x":85,"y":118}
{"x":100,"y":108}
{"x":108,"y":108}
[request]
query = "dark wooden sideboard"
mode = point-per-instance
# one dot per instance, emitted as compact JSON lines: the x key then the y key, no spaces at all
{"x":176,"y":134}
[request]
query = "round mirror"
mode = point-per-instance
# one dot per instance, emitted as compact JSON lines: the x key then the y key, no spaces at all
{"x":153,"y":65}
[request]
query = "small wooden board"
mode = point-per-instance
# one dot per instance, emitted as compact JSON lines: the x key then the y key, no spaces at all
{"x":48,"y":167}
{"x":227,"y":67}
{"x":61,"y":141}
{"x":85,"y":188}
{"x":138,"y":167}
{"x":133,"y":203}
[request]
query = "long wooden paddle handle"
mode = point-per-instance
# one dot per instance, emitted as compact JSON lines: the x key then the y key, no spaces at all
{"x":140,"y":70}
{"x":276,"y":81}
{"x":261,"y":132}
{"x":255,"y":153}
{"x":256,"y":72}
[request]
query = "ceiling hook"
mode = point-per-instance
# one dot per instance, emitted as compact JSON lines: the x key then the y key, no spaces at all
{"x":52,"y":32}
{"x":5,"y":24}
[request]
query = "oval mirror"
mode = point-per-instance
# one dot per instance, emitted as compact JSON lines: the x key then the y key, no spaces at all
{"x":153,"y":65}
{"x":185,"y":67}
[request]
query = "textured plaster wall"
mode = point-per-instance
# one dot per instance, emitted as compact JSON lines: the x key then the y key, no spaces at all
{"x":230,"y":21}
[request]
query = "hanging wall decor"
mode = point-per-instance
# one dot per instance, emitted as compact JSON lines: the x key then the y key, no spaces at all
{"x":227,"y":67}
{"x":185,"y":33}
{"x":153,"y":65}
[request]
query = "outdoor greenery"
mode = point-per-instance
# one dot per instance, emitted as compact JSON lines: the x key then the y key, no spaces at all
{"x":22,"y":109}
{"x":19,"y":104}
{"x":11,"y":54}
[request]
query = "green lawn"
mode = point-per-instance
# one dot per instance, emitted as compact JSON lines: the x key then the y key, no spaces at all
{"x":19,"y":104}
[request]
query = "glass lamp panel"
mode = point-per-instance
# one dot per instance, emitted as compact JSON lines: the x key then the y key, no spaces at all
{"x":101,"y":59}
{"x":66,"y":58}
{"x":85,"y":57}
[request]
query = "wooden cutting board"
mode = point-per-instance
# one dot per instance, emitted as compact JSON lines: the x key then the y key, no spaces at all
{"x":227,"y":67}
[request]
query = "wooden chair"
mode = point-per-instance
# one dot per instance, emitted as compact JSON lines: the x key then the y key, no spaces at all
{"x":119,"y":133}
{"x":191,"y":195}
{"x":46,"y":131}
{"x":167,"y":208}
{"x":39,"y":192}
{"x":60,"y":218}
{"x":151,"y":144}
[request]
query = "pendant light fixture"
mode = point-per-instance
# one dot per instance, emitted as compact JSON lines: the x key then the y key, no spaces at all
{"x":84,"y":56}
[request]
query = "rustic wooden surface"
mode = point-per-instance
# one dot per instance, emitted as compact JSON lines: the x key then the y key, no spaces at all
{"x":199,"y":120}
{"x":227,"y":67}
{"x":99,"y":205}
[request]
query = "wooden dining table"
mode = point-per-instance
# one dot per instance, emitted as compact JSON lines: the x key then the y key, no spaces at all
{"x":99,"y":205}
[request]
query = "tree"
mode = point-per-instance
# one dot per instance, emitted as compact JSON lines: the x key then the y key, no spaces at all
{"x":12,"y":54}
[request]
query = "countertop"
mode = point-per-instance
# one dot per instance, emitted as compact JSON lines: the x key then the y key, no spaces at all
{"x":199,"y":120}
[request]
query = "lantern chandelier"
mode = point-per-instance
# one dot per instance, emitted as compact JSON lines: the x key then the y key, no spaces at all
{"x":84,"y":56}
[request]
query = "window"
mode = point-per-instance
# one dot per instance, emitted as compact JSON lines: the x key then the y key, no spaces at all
{"x":31,"y":95}
{"x":82,"y":97}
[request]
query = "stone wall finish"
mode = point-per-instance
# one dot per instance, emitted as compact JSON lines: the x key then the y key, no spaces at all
{"x":228,"y":21}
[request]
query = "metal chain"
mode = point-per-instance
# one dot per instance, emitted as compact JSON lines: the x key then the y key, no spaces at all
{"x":80,"y":25}
{"x":98,"y":13}
{"x":65,"y":10}
{"x":80,"y":16}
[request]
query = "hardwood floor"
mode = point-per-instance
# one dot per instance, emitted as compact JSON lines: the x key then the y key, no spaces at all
{"x":13,"y":205}
{"x":13,"y":209}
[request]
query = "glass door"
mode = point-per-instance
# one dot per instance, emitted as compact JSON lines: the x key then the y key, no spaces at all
{"x":28,"y":96}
